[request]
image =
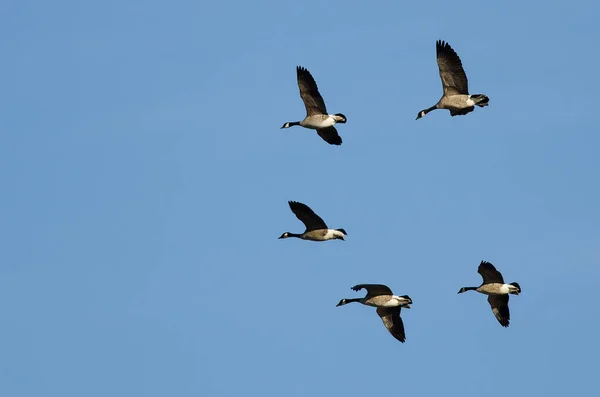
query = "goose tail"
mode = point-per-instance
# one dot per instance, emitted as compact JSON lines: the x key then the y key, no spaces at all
{"x":480,"y":100}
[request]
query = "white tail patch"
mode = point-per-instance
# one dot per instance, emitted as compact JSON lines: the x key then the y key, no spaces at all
{"x":331,"y":234}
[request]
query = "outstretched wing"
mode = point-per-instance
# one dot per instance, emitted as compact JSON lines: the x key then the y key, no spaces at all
{"x":307,"y":216}
{"x":454,"y":79}
{"x":309,"y":92}
{"x":374,"y":289}
{"x":489,"y":273}
{"x":499,"y":304}
{"x":392,"y":321}
{"x":330,"y":135}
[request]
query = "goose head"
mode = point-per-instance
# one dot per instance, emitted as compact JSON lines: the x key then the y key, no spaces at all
{"x":342,"y":302}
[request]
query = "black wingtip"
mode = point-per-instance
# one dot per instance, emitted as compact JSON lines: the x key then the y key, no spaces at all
{"x":301,"y":70}
{"x":487,"y":264}
{"x":334,"y":140}
{"x":399,"y":337}
{"x":442,"y":47}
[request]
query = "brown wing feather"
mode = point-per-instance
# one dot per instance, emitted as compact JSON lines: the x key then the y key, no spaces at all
{"x":330,"y":135}
{"x":454,"y":79}
{"x":374,"y":289}
{"x":392,"y":321}
{"x":307,"y":216}
{"x":309,"y":92}
{"x":489,"y":273}
{"x":499,"y":304}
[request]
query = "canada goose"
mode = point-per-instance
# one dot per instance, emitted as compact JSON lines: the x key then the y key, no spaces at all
{"x":316,"y":229}
{"x":456,"y":96}
{"x":388,"y":306}
{"x":317,"y":117}
{"x":493,"y":285}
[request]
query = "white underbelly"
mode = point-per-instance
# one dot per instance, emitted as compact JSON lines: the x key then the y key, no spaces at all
{"x":317,"y":123}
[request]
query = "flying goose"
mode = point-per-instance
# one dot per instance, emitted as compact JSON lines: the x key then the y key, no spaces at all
{"x":317,"y":117}
{"x":316,"y":229}
{"x":493,"y":285}
{"x":456,"y":96}
{"x":388,"y":306}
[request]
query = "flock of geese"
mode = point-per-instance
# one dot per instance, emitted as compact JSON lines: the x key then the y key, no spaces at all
{"x":458,"y":101}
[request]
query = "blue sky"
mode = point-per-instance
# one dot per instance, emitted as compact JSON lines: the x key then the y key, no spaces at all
{"x":145,"y":182}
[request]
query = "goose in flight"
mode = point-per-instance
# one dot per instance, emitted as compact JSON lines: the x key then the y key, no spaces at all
{"x":388,"y":306}
{"x":456,"y":96}
{"x":493,"y":285}
{"x":316,"y":229}
{"x":317,"y":117}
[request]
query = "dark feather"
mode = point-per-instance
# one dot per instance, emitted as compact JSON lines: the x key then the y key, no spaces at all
{"x":499,"y":304}
{"x":392,"y":321}
{"x":454,"y":79}
{"x":374,"y":289}
{"x":489,"y":273}
{"x":330,"y":135}
{"x":309,"y":92}
{"x":307,"y":216}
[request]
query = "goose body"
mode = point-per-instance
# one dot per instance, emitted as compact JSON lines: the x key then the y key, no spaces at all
{"x":388,"y":306}
{"x":317,"y":117}
{"x":496,"y":289}
{"x":456,"y":97}
{"x":316,"y":228}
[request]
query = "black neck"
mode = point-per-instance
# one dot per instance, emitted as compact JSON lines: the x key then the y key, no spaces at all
{"x":430,"y":109}
{"x":351,"y":300}
{"x":294,"y":235}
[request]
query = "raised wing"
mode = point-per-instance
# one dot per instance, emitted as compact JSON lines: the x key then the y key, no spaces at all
{"x":374,"y":289}
{"x":309,"y":92}
{"x":499,"y":304}
{"x":454,"y":79}
{"x":489,"y":273}
{"x":311,"y":220}
{"x":392,"y":321}
{"x":330,"y":135}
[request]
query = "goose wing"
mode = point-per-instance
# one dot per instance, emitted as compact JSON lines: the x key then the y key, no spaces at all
{"x":392,"y":321}
{"x":309,"y":92}
{"x":330,"y":135}
{"x":499,"y":304}
{"x":374,"y":289}
{"x":454,"y":79}
{"x":307,"y":216}
{"x":489,"y":273}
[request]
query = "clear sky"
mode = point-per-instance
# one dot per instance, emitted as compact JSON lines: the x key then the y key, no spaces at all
{"x":145,"y":181}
